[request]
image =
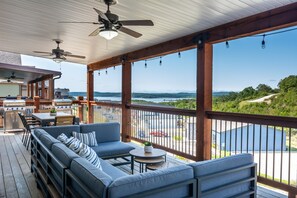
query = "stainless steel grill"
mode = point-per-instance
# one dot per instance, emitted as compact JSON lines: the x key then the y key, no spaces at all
{"x":62,"y":105}
{"x":12,"y":122}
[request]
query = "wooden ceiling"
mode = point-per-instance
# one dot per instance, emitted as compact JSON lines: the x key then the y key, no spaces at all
{"x":30,"y":25}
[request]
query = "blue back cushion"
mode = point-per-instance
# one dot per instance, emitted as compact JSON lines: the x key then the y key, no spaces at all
{"x":220,"y":165}
{"x":105,"y":132}
{"x":39,"y":132}
{"x":94,"y":179}
{"x":55,"y":131}
{"x":63,"y":154}
{"x":48,"y":140}
{"x":134,"y":184}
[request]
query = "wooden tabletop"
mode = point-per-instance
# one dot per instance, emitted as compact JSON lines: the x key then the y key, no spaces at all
{"x":140,"y":153}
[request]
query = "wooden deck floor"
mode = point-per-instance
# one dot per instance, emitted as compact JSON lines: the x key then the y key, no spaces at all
{"x":16,"y":179}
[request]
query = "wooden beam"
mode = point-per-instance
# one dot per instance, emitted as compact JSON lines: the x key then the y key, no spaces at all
{"x":126,"y":100}
{"x":281,"y":17}
{"x":203,"y":101}
{"x":90,"y":94}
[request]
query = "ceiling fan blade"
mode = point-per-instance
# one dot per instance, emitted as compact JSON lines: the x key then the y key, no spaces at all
{"x":75,"y":56}
{"x":95,"y":32}
{"x":137,"y":22}
{"x":130,"y":32}
{"x":101,"y":14}
{"x":78,"y":22}
{"x":39,"y":52}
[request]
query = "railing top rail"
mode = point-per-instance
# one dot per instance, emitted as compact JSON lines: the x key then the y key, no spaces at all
{"x":252,"y":118}
{"x":168,"y":110}
{"x":110,"y":104}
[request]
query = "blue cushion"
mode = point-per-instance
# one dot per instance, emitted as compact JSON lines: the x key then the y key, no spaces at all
{"x":63,"y":154}
{"x":110,"y":170}
{"x":220,"y":165}
{"x":105,"y":132}
{"x":48,"y":140}
{"x":55,"y":131}
{"x":39,"y":132}
{"x":96,"y":180}
{"x":112,"y":148}
{"x":133,"y":184}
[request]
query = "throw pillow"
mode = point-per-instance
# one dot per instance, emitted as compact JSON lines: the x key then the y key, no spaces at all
{"x":76,"y":145}
{"x":62,"y":138}
{"x":69,"y":141}
{"x":87,"y":138}
{"x":90,"y":155}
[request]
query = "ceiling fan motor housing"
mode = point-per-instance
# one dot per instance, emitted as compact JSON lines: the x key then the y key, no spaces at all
{"x":110,"y":2}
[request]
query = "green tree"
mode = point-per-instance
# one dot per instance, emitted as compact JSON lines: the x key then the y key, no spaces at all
{"x":287,"y":83}
{"x":264,"y":88}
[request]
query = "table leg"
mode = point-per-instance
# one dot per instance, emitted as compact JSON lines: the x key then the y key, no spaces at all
{"x":132,"y":164}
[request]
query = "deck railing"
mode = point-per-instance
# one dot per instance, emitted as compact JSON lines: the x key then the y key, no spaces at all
{"x":167,"y":128}
{"x":107,"y":112}
{"x":268,"y":138}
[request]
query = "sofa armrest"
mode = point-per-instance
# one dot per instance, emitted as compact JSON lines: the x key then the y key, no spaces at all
{"x":172,"y":182}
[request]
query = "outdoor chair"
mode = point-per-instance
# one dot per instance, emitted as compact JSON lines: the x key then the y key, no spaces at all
{"x":29,"y":124}
{"x":64,"y":120}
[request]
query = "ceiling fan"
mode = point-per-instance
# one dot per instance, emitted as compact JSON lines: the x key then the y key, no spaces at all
{"x":59,"y":54}
{"x":111,"y":24}
{"x":12,"y":79}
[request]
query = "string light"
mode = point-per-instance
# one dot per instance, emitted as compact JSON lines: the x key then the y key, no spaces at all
{"x":160,"y":63}
{"x":227,"y":44}
{"x":132,"y":64}
{"x":99,"y":73}
{"x":263,"y":42}
{"x":145,"y":64}
{"x":179,"y":55}
{"x":106,"y":71}
{"x":113,"y":67}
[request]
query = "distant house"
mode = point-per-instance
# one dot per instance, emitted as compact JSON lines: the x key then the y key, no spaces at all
{"x":247,"y":137}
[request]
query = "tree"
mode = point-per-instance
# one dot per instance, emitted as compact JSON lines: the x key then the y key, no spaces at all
{"x":264,"y":88}
{"x":288,"y":83}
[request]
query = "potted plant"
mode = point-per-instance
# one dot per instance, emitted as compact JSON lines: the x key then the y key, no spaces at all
{"x":53,"y":112}
{"x":148,"y":147}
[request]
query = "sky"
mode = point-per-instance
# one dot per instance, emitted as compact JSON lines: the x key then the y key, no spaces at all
{"x":243,"y":64}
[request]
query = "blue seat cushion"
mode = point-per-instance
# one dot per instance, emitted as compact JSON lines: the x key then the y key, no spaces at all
{"x":133,"y":184}
{"x":105,"y":132}
{"x":109,"y":149}
{"x":96,"y":180}
{"x":110,"y":170}
{"x":55,"y":131}
{"x":48,"y":140}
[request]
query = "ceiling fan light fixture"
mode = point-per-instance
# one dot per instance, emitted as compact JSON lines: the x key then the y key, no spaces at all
{"x":59,"y":59}
{"x":108,"y":34}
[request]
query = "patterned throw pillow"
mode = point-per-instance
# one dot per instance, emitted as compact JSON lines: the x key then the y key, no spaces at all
{"x":87,"y":138}
{"x":62,"y":138}
{"x":90,"y":155}
{"x":84,"y":151}
{"x":69,"y":141}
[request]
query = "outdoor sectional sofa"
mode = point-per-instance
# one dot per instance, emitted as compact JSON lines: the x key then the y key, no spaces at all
{"x":60,"y":172}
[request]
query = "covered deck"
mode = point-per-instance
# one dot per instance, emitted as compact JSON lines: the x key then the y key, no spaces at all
{"x":176,"y":30}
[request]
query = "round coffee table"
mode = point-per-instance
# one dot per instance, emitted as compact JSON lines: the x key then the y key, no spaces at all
{"x":143,"y":158}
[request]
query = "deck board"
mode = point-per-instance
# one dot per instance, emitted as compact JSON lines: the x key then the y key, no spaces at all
{"x":16,"y":179}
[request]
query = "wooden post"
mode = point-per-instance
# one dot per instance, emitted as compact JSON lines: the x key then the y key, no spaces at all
{"x":36,"y":89}
{"x":43,"y":89}
{"x":32,"y":90}
{"x":51,"y":88}
{"x":80,"y":109}
{"x":36,"y":103}
{"x":90,"y":94}
{"x":203,"y":100}
{"x":126,"y":99}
